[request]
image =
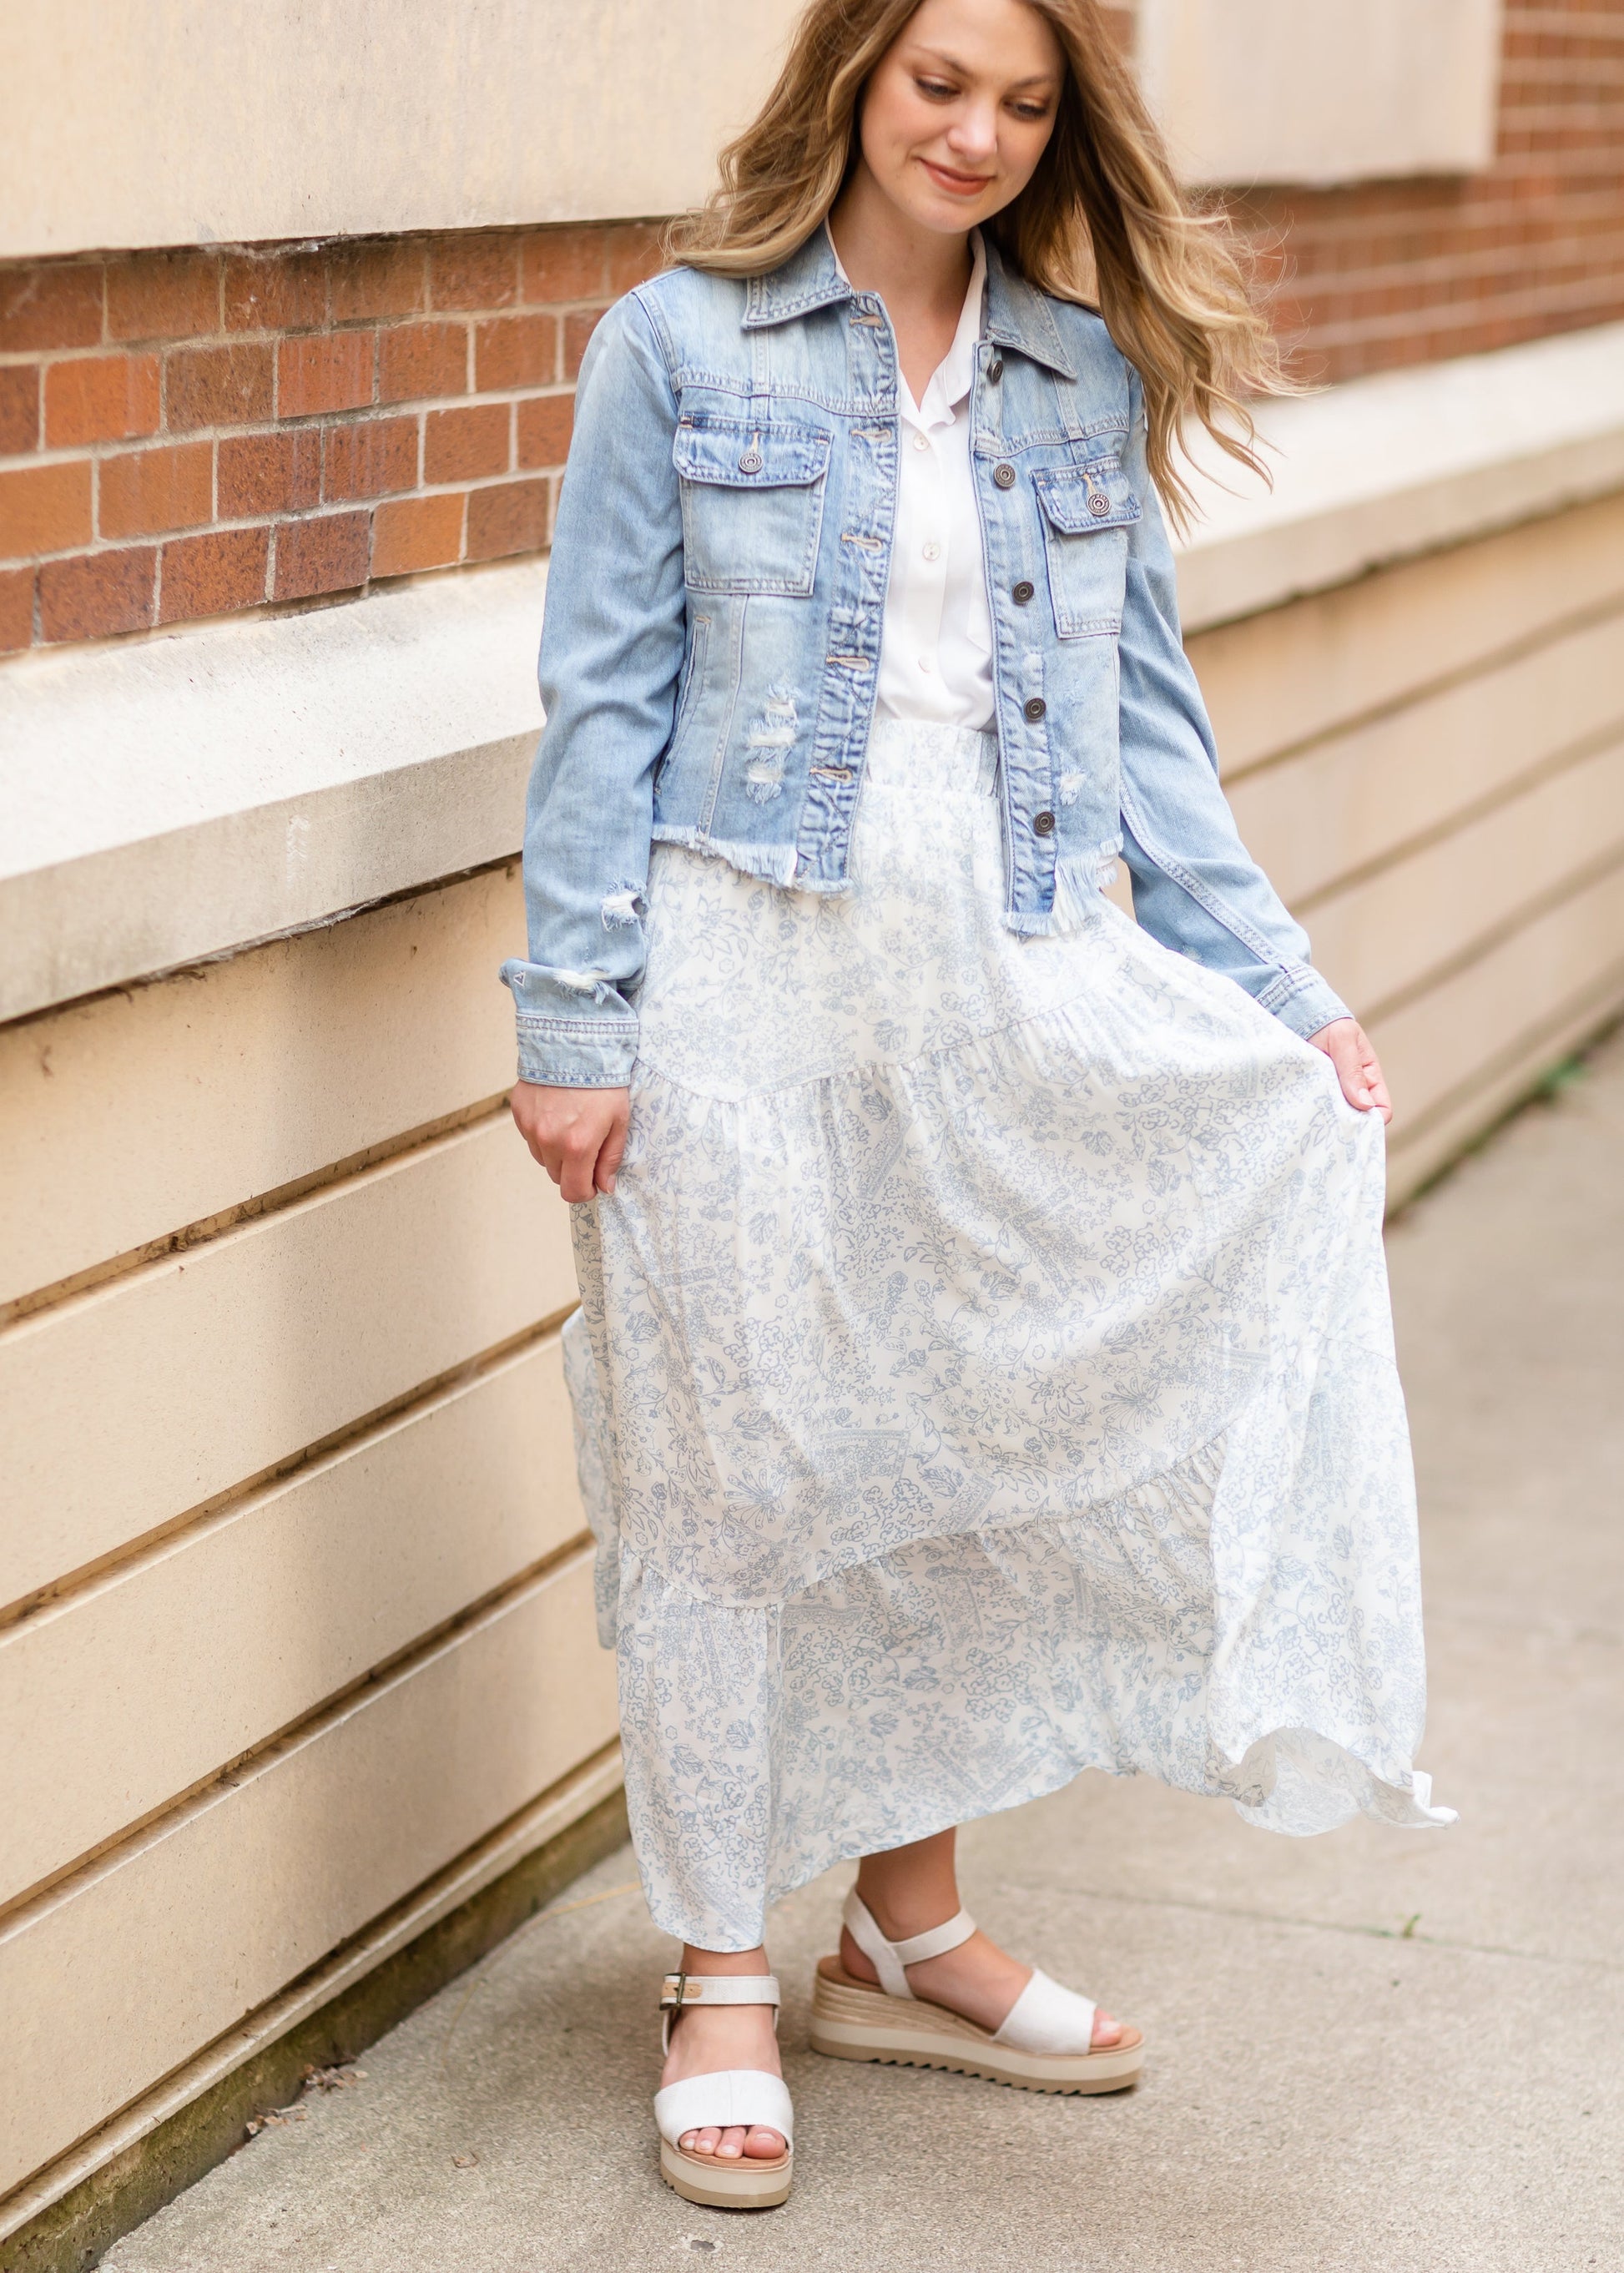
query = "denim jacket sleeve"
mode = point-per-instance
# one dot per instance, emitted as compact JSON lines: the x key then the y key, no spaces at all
{"x":610,"y":655}
{"x":1196,"y":889}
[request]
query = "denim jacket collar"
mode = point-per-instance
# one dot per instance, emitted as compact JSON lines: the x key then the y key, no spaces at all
{"x":1018,"y":317}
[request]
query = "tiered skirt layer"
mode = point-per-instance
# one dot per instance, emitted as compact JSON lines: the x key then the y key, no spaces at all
{"x":984,"y":1372}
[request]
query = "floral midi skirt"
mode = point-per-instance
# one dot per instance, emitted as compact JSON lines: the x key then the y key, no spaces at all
{"x":984,"y":1372}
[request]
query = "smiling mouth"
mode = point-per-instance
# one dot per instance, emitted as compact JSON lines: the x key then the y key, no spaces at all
{"x":957,"y":185}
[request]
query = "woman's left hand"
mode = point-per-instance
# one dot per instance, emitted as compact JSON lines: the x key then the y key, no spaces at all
{"x":1357,"y":1067}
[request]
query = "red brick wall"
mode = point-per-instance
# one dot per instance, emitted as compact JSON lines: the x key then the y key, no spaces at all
{"x":191,"y":434}
{"x":1392,"y":272}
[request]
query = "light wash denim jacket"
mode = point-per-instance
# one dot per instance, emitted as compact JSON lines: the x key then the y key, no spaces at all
{"x":712,"y":638}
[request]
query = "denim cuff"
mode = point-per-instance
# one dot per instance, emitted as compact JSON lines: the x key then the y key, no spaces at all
{"x":577,"y":1053}
{"x":1301,"y":999}
{"x":563,"y":1042}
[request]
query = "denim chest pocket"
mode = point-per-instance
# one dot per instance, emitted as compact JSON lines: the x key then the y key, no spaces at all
{"x":1087,"y":512}
{"x":752,"y":503}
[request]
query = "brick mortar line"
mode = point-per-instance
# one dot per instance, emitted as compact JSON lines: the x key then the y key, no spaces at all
{"x":1534,"y":160}
{"x":162,"y":347}
{"x":338,"y":328}
{"x":1466,"y":221}
{"x":1286,"y":227}
{"x":1531,"y":299}
{"x":1524,"y":323}
{"x":1578,"y":47}
{"x":1485,"y":264}
{"x":1516,"y":175}
{"x":1571,"y":87}
{"x":1495,"y":257}
{"x":101,"y":547}
{"x":1606,"y":297}
{"x":317,"y":422}
{"x":289,"y":517}
{"x":1303,"y":255}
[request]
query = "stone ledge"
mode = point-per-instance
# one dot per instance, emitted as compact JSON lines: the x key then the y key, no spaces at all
{"x":182,"y":797}
{"x":1383,"y":468}
{"x":175,"y":799}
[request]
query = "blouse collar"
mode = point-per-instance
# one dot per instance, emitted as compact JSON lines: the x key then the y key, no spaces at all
{"x":950,"y":382}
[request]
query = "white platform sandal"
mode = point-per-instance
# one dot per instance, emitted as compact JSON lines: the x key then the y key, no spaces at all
{"x":746,"y":2096}
{"x":1045,"y":2043}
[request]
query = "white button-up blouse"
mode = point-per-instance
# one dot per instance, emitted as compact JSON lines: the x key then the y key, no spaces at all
{"x":935,"y":639}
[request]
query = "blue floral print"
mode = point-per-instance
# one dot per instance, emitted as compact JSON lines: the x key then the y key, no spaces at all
{"x":984,"y":1372}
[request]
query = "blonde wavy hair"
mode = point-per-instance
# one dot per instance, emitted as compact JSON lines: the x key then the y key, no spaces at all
{"x":1102,"y":220}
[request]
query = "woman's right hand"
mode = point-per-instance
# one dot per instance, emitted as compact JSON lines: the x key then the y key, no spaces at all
{"x":578,"y":1135}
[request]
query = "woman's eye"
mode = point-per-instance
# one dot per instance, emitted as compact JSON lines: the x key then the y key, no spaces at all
{"x":937,"y":89}
{"x":1031,"y":110}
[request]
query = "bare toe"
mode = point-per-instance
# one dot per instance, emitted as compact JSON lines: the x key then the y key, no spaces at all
{"x":1107,"y":2032}
{"x":703,"y":2142}
{"x":763,"y":2144}
{"x":732,"y":2142}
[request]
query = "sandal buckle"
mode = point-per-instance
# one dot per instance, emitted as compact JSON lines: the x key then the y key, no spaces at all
{"x":674,"y":2000}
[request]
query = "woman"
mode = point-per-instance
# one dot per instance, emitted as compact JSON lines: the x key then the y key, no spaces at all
{"x":983,"y":1369}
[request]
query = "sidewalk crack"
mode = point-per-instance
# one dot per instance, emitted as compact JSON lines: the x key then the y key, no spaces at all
{"x":1327,"y":1925}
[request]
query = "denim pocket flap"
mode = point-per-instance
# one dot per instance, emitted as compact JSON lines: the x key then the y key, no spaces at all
{"x":765,"y":453}
{"x":1079,"y":498}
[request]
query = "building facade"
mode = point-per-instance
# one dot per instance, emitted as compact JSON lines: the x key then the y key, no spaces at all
{"x":302,"y":1704}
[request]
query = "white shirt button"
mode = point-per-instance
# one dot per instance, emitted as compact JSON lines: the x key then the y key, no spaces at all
{"x":921,"y":441}
{"x":931,"y":551}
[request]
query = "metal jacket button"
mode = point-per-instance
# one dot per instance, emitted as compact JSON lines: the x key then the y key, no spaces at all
{"x":1034,"y":708}
{"x":1098,"y":504}
{"x":751,"y":462}
{"x":1005,"y":476}
{"x":995,"y":370}
{"x":1022,"y":593}
{"x":1042,"y":824}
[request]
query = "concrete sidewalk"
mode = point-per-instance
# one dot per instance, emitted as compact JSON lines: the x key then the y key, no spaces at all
{"x":1382,"y":2050}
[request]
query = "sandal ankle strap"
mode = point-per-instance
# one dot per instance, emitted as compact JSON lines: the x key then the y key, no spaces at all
{"x":679,"y":1991}
{"x":889,"y":1959}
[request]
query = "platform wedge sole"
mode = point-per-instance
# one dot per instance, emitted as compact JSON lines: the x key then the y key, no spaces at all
{"x":851,"y":2021}
{"x":732,"y":2185}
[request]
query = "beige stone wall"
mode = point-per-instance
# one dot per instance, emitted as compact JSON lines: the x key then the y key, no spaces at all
{"x":200,"y":121}
{"x":210,"y":122}
{"x":1429,"y":762}
{"x":297,"y":1590}
{"x":1320,"y":91}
